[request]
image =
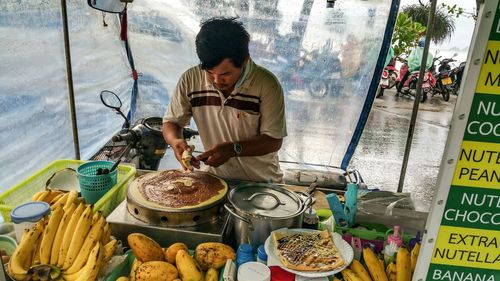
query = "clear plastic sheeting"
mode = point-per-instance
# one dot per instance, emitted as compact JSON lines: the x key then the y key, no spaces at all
{"x":325,"y":59}
{"x":34,"y":114}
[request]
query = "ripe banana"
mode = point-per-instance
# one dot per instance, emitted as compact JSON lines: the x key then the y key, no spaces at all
{"x":93,"y":265}
{"x":49,"y":233}
{"x":81,"y":231}
{"x":391,"y":271}
{"x":40,"y":195}
{"x":56,"y":246}
{"x":414,"y":256}
{"x":83,"y":253}
{"x":52,"y":194}
{"x":109,"y":249}
{"x":349,"y":275}
{"x":335,"y":278}
{"x":360,"y":270}
{"x":374,"y":266}
{"x":55,"y":199}
{"x":106,"y":234}
{"x":68,"y":234}
{"x":21,"y":258}
{"x":91,"y":262}
{"x":403,"y":265}
{"x":72,"y":196}
{"x":61,"y":201}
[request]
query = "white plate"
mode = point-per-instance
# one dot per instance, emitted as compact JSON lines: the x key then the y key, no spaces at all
{"x":345,"y":250}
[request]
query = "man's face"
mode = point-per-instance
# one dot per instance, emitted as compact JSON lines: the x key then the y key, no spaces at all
{"x":225,"y":75}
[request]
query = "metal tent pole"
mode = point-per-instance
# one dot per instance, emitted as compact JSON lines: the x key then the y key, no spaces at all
{"x":69,"y":74}
{"x":416,"y":103}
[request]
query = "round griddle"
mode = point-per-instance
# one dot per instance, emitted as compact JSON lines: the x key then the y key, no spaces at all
{"x":181,"y":216}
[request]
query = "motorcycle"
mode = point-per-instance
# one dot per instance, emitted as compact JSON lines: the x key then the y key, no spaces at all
{"x":141,"y":144}
{"x":443,"y":81}
{"x":389,"y":77}
{"x":456,"y":75}
{"x":410,"y":85}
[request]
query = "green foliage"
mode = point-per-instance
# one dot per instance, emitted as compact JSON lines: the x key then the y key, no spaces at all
{"x":444,"y":22}
{"x":406,"y":34}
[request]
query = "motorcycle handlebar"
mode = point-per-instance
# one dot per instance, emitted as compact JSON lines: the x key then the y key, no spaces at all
{"x":128,"y":136}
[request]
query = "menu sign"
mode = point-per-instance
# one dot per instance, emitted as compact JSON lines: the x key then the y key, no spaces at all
{"x":468,"y":242}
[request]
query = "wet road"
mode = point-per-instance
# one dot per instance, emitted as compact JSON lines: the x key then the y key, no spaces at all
{"x":379,"y":155}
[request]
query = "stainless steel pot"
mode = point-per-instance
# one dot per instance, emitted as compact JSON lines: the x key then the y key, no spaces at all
{"x":261,"y":208}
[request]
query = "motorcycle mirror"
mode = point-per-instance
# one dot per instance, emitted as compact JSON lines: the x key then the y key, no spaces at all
{"x":108,"y":6}
{"x":111,"y":100}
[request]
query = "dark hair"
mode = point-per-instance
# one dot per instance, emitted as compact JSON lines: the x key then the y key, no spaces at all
{"x":221,"y":38}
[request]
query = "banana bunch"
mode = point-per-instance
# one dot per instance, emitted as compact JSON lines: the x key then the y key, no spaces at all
{"x":57,"y":197}
{"x":71,"y":244}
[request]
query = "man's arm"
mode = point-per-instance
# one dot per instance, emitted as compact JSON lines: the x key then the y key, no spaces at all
{"x":255,"y":146}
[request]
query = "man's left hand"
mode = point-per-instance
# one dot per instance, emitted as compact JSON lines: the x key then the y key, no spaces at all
{"x":217,"y":155}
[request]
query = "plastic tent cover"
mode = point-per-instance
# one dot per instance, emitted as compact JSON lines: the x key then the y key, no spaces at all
{"x":324,"y":57}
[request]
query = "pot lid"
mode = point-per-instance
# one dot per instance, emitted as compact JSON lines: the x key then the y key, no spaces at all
{"x":265,"y":200}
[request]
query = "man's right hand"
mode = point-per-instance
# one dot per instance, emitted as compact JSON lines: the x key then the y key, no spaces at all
{"x":179,"y":146}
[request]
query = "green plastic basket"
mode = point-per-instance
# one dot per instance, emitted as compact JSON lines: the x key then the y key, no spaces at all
{"x":23,"y":191}
{"x":93,"y":186}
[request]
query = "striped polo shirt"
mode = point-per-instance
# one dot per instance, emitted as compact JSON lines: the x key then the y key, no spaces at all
{"x":256,"y":106}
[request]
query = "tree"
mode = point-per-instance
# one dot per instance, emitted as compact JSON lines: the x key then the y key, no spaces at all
{"x":444,"y":22}
{"x":406,"y":34}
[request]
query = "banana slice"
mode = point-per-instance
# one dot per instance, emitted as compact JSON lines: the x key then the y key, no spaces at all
{"x":186,"y":158}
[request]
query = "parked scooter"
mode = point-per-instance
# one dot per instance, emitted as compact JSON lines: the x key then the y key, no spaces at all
{"x":443,"y":77}
{"x":410,"y":85}
{"x":456,"y":77}
{"x":141,"y":144}
{"x":389,"y":77}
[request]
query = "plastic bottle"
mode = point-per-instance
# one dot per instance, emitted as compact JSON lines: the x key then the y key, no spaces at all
{"x":244,"y":254}
{"x":262,"y":255}
{"x":389,"y":251}
{"x":395,"y":237}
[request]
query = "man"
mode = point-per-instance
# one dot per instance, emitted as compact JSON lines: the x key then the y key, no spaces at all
{"x":237,"y":105}
{"x":414,"y":59}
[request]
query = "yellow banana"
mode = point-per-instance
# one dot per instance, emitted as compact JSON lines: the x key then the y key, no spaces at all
{"x":92,"y":237}
{"x":68,"y":234}
{"x":61,"y":201}
{"x":403,"y":265}
{"x":81,"y":231}
{"x":106,"y":234}
{"x":391,"y":271}
{"x":93,"y":265}
{"x":109,"y":250}
{"x":93,"y":256}
{"x":54,"y":252}
{"x":360,"y":270}
{"x":21,"y":258}
{"x":52,"y":194}
{"x":56,"y":198}
{"x":350,"y":275}
{"x":374,"y":266}
{"x":38,"y":195}
{"x":335,"y":278}
{"x":72,"y":196}
{"x":414,"y":256}
{"x":48,"y":235}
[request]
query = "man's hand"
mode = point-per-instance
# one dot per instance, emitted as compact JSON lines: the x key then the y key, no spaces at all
{"x":217,"y":155}
{"x":179,"y":146}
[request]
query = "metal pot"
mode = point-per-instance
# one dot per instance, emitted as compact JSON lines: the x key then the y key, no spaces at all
{"x":261,"y":208}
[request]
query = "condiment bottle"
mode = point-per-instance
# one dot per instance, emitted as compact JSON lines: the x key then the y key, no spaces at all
{"x":395,"y":237}
{"x":262,"y":255}
{"x":244,"y":254}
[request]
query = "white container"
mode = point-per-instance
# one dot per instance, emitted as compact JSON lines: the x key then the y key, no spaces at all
{"x":254,"y":271}
{"x":27,"y":215}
